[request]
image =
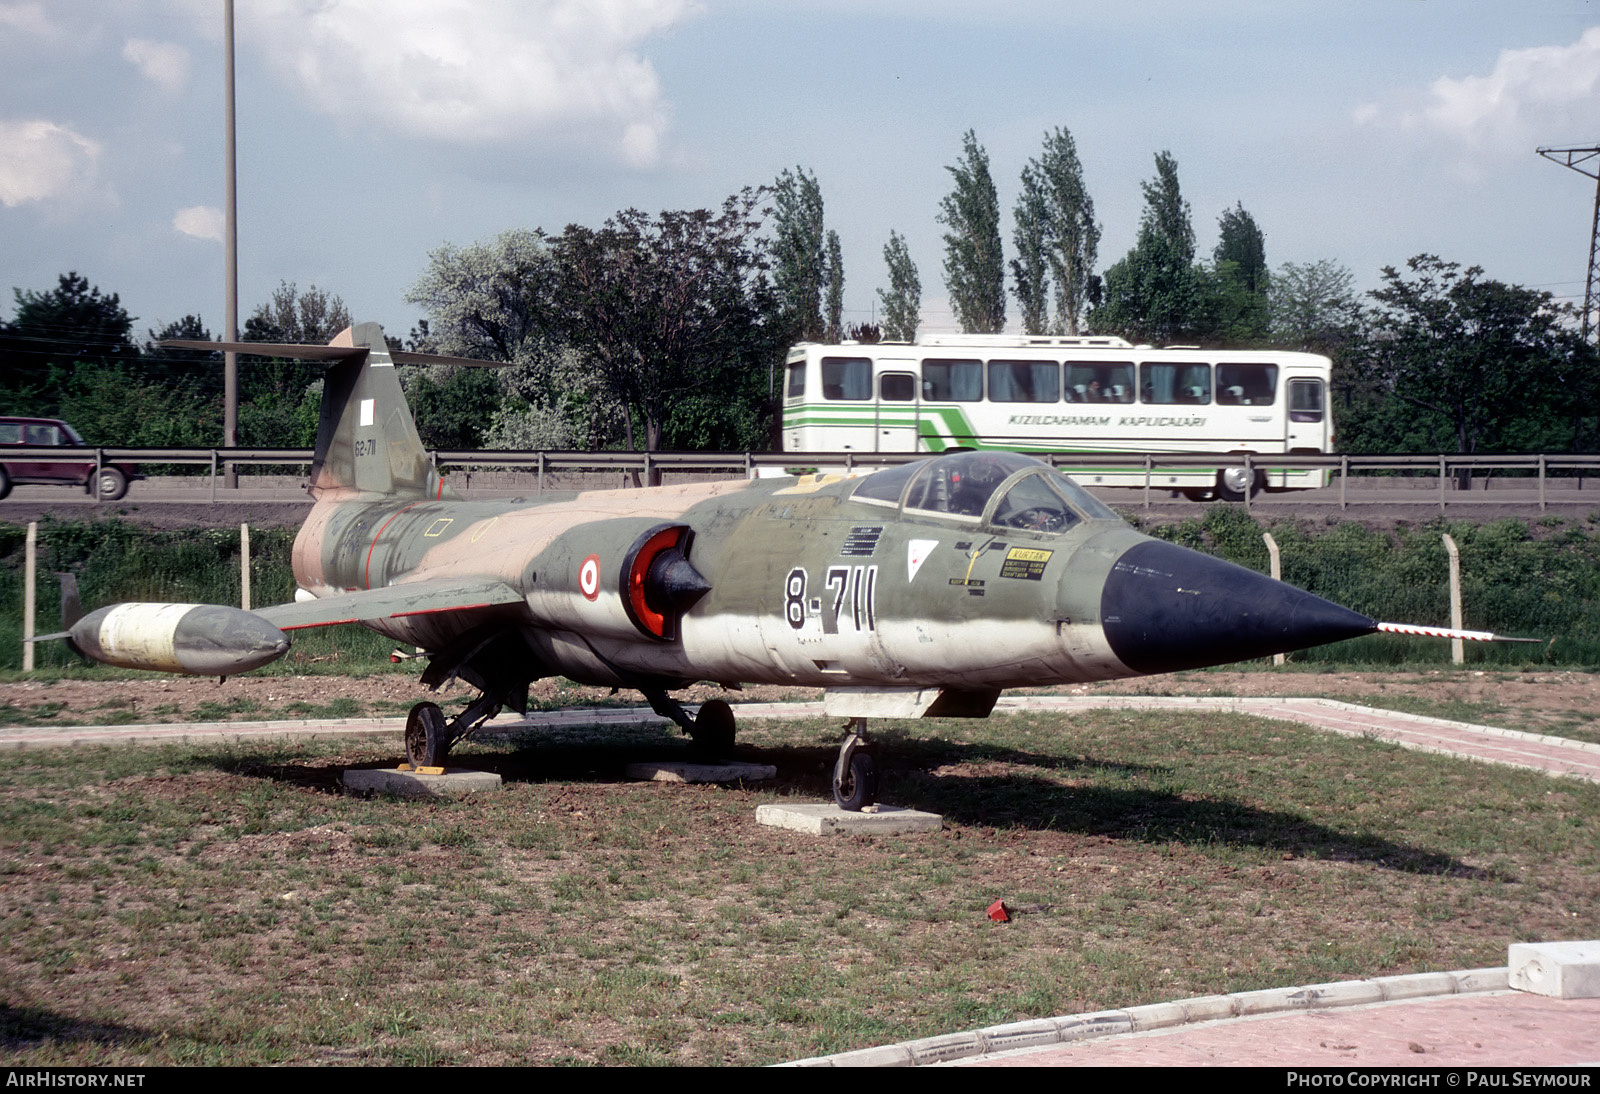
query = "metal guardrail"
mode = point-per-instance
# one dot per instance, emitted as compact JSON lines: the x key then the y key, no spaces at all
{"x":1540,"y":467}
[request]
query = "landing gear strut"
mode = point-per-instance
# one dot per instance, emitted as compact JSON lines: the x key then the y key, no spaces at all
{"x":855,"y":777}
{"x":429,"y":737}
{"x":712,"y":729}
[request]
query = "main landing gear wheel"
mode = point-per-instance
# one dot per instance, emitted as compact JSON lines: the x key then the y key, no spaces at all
{"x":713,"y":728}
{"x":855,"y":777}
{"x":427,"y":742}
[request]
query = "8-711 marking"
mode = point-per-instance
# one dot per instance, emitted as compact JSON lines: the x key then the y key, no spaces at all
{"x":855,"y":598}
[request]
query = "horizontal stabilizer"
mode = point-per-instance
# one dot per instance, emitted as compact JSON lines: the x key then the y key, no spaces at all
{"x":303,"y":352}
{"x":1447,"y":632}
{"x":412,"y":598}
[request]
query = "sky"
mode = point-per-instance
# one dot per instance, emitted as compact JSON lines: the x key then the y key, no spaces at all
{"x":371,"y":132}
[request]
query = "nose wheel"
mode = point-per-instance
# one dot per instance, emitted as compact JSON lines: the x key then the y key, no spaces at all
{"x":855,"y":776}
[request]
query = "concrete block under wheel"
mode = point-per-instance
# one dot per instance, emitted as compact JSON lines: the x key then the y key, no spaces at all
{"x":414,"y":784}
{"x":829,"y":819}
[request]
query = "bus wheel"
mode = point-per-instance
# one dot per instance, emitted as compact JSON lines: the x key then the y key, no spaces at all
{"x":1232,"y":482}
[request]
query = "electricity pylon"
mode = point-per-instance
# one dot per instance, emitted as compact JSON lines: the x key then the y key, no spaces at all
{"x":1585,"y":161}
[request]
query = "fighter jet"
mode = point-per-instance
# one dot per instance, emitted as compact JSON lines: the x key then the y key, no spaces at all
{"x":921,"y":590}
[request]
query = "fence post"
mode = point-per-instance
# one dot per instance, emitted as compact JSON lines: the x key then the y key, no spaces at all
{"x":1541,"y":482}
{"x":1277,"y":575}
{"x":1458,"y":653}
{"x":213,"y":476}
{"x":1441,"y":482}
{"x":541,"y":471}
{"x":99,"y":462}
{"x":1147,"y":480}
{"x":29,"y":603}
{"x":244,"y":566}
{"x":1249,"y":481}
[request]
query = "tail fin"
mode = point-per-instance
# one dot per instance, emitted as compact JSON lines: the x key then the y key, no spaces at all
{"x":366,"y":439}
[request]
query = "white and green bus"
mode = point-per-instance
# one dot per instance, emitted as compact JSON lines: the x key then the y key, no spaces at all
{"x":1065,"y":395}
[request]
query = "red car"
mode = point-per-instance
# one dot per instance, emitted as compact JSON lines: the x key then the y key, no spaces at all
{"x":72,"y":469}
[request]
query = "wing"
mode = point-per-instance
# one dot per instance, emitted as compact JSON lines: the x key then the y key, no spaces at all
{"x":411,"y":598}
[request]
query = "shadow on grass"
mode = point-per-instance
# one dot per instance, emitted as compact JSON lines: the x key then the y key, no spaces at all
{"x":23,"y":1029}
{"x":969,"y":783}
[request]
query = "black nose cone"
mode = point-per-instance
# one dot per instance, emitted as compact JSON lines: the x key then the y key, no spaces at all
{"x":1167,"y":608}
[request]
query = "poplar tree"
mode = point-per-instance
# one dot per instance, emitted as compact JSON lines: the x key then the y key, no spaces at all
{"x":974,"y":263}
{"x":902,"y":303}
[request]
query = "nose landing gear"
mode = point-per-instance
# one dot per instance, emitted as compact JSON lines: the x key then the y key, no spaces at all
{"x":855,"y":776}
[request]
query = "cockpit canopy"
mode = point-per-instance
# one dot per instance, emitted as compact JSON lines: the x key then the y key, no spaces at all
{"x":1005,"y":489}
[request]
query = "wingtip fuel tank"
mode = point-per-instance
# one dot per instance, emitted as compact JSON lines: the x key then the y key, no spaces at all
{"x":195,"y":639}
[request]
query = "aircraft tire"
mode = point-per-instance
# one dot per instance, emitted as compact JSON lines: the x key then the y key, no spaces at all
{"x":113,"y":484}
{"x":855,"y":782}
{"x":714,"y":728}
{"x":426,"y":744}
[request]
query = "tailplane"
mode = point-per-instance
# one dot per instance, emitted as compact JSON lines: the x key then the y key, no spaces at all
{"x":367,"y":441}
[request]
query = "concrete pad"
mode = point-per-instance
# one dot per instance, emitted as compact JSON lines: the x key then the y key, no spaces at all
{"x":829,"y":819}
{"x":1561,"y":970}
{"x":674,"y":772}
{"x":414,"y":784}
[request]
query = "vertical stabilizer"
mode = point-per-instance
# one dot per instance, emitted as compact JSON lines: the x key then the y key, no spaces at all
{"x":366,"y":438}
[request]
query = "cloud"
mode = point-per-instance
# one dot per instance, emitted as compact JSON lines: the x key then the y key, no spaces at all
{"x":200,"y":221}
{"x":25,"y":19}
{"x":1531,"y":94}
{"x":164,"y":63}
{"x":479,"y":71}
{"x":40,"y":160}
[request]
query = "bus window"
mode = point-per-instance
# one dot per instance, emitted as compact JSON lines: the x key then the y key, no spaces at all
{"x":949,"y":381}
{"x":897,"y":387}
{"x":1099,"y":382}
{"x":1023,"y":382}
{"x":1185,"y":383}
{"x":797,"y":380}
{"x":847,"y":378}
{"x":1305,"y":400}
{"x":1247,"y":385}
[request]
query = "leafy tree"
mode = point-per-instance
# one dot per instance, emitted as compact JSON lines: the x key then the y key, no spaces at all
{"x":1056,"y":237}
{"x":835,"y":302}
{"x":276,"y":402}
{"x":490,"y":300}
{"x":800,"y":255}
{"x":1155,"y":292}
{"x":1030,"y":277}
{"x":52,"y":332}
{"x":501,"y":301}
{"x":902,"y":303}
{"x":672,"y":312}
{"x":1243,"y":280}
{"x":1485,"y":359}
{"x":974,"y":262}
{"x":201,"y":369}
{"x":1313,"y":306}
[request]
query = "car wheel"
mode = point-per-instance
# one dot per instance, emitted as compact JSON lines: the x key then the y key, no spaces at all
{"x":113,"y":484}
{"x":5,"y":483}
